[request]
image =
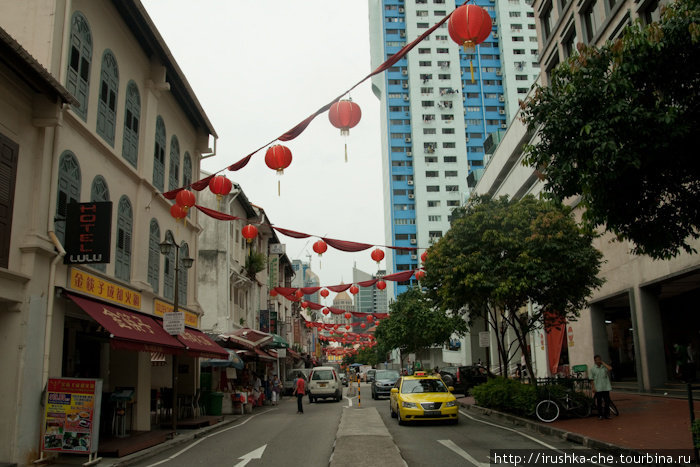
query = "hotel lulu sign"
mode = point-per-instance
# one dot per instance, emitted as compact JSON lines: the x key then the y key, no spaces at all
{"x":88,"y":232}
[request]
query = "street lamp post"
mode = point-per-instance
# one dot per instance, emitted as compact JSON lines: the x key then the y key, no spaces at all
{"x":165,"y":249}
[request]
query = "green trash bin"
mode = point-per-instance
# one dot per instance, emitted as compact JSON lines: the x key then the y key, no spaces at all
{"x":216,"y":400}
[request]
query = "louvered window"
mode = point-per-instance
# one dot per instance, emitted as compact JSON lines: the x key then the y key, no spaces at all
{"x":78,"y":76}
{"x":132,"y":116}
{"x":68,"y":191}
{"x":154,"y":255}
{"x":99,"y":192}
{"x":122,"y":259}
{"x":169,"y":269}
{"x":107,"y":103}
{"x":159,"y":155}
{"x":174,"y":172}
{"x":182,"y":275}
{"x":8,"y":176}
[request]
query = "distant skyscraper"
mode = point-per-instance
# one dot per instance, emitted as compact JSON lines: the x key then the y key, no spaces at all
{"x":305,"y":277}
{"x":369,"y":299}
{"x":434,"y":120}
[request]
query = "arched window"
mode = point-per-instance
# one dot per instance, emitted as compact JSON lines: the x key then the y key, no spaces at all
{"x":122,"y":257}
{"x":78,"y":76}
{"x":132,"y":115}
{"x":68,"y":191}
{"x":186,"y":169}
{"x":107,"y":103}
{"x":182,"y":276}
{"x":159,"y":155}
{"x":169,"y":269}
{"x":99,"y":192}
{"x":174,"y":173}
{"x":154,"y":255}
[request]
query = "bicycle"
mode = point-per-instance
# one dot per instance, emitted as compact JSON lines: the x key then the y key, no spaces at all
{"x":613,"y":408}
{"x":548,"y":410}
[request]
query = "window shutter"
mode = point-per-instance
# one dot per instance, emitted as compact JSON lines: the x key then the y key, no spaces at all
{"x":8,"y":176}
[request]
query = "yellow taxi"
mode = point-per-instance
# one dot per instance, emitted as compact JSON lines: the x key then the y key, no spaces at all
{"x":423,"y":397}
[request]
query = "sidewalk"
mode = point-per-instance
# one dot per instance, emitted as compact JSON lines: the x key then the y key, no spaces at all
{"x":645,"y":422}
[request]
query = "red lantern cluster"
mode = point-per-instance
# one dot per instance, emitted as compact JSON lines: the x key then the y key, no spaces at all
{"x":184,"y":200}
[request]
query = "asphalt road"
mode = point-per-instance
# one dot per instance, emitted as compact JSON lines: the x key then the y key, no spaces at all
{"x":277,"y":436}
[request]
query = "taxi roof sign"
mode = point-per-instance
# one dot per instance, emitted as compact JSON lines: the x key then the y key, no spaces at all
{"x":419,"y":373}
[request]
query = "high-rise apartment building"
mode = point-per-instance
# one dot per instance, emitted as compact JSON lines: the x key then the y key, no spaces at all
{"x":305,"y":277}
{"x":369,"y":299}
{"x":434,"y":120}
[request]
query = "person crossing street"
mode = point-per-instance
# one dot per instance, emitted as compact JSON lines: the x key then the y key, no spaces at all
{"x":300,"y":390}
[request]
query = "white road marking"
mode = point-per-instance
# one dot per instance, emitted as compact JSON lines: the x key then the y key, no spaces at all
{"x":182,"y":451}
{"x":349,"y":401}
{"x":449,"y":444}
{"x":257,"y":454}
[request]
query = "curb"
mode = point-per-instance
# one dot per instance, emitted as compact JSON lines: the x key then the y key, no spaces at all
{"x":178,"y":440}
{"x":577,"y":438}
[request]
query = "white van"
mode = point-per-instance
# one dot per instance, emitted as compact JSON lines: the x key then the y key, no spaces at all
{"x":324,"y":383}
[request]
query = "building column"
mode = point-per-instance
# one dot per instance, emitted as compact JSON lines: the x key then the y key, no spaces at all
{"x":142,"y":408}
{"x":649,"y":340}
{"x":599,"y":333}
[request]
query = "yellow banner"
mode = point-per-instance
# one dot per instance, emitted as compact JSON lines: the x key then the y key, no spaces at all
{"x":160,"y":308}
{"x":82,"y":281}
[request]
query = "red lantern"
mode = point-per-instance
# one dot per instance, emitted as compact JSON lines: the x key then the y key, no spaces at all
{"x":324,"y":293}
{"x":420,"y":274}
{"x":348,"y":315}
{"x":325,"y":311}
{"x":298,"y":293}
{"x":185,"y":198}
{"x":304,"y":304}
{"x":370,"y":318}
{"x":220,"y":186}
{"x":320,"y":247}
{"x":273,"y":293}
{"x":347,"y":326}
{"x":178,"y":212}
{"x":424,"y":256}
{"x":377,"y":255}
{"x":381,"y":285}
{"x":363,"y":325}
{"x":468,"y":26}
{"x":278,"y":158}
{"x":354,"y":290}
{"x":344,"y":114}
{"x":249,"y":232}
{"x":335,"y":326}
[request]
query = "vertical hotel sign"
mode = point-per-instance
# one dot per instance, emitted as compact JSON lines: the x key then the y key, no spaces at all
{"x":88,"y":232}
{"x":72,"y":415}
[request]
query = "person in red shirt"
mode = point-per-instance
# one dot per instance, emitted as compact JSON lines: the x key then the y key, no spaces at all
{"x":300,"y":390}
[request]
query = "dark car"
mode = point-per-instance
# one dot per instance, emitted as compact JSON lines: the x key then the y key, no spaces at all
{"x":463,"y":378}
{"x":384,"y":380}
{"x":343,"y":378}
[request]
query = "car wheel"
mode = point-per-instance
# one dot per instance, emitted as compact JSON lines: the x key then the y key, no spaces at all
{"x":398,"y":415}
{"x":311,"y":399}
{"x":393,"y":415}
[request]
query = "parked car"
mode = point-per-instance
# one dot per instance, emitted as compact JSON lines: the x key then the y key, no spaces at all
{"x":384,"y":380}
{"x":463,"y":378}
{"x":371,"y":374}
{"x":422,"y":397}
{"x":291,"y":377}
{"x":324,"y":384}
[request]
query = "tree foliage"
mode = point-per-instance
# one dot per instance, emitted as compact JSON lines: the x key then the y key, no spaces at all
{"x":414,"y":324}
{"x":617,"y":126}
{"x":368,"y":356}
{"x":503,"y":254}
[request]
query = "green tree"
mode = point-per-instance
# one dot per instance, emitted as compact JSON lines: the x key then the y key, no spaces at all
{"x":503,"y":254}
{"x":617,"y":126}
{"x":367,"y":356}
{"x":415,"y":324}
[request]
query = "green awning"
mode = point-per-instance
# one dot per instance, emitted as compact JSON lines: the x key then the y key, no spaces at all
{"x":278,"y":342}
{"x":233,"y":361}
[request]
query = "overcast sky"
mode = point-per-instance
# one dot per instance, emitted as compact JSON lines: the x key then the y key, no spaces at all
{"x":259,"y":67}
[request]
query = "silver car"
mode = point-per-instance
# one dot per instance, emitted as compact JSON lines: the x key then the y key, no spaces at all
{"x":384,"y":380}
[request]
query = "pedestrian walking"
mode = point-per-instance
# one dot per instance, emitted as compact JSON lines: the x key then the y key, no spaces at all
{"x":600,"y":373}
{"x":276,"y":389}
{"x":300,"y":390}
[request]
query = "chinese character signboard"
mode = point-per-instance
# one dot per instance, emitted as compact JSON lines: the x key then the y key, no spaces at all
{"x":72,"y":415}
{"x":273,"y":268}
{"x":264,"y":320}
{"x":273,"y":322}
{"x":160,"y":308}
{"x":89,"y":284}
{"x":88,"y":232}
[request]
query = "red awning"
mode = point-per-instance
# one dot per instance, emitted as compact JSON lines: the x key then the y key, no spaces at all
{"x":247,"y":338}
{"x":264,"y":355}
{"x":130,"y":330}
{"x":200,"y":345}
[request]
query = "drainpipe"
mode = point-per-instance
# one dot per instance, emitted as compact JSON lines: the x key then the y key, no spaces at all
{"x":49,"y":305}
{"x":229,"y":308}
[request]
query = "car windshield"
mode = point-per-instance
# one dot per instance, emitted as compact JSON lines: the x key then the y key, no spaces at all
{"x":387,"y":374}
{"x":414,"y":386}
{"x":322,"y":375}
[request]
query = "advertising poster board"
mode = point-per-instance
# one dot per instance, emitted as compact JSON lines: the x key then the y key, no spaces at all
{"x":72,"y":415}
